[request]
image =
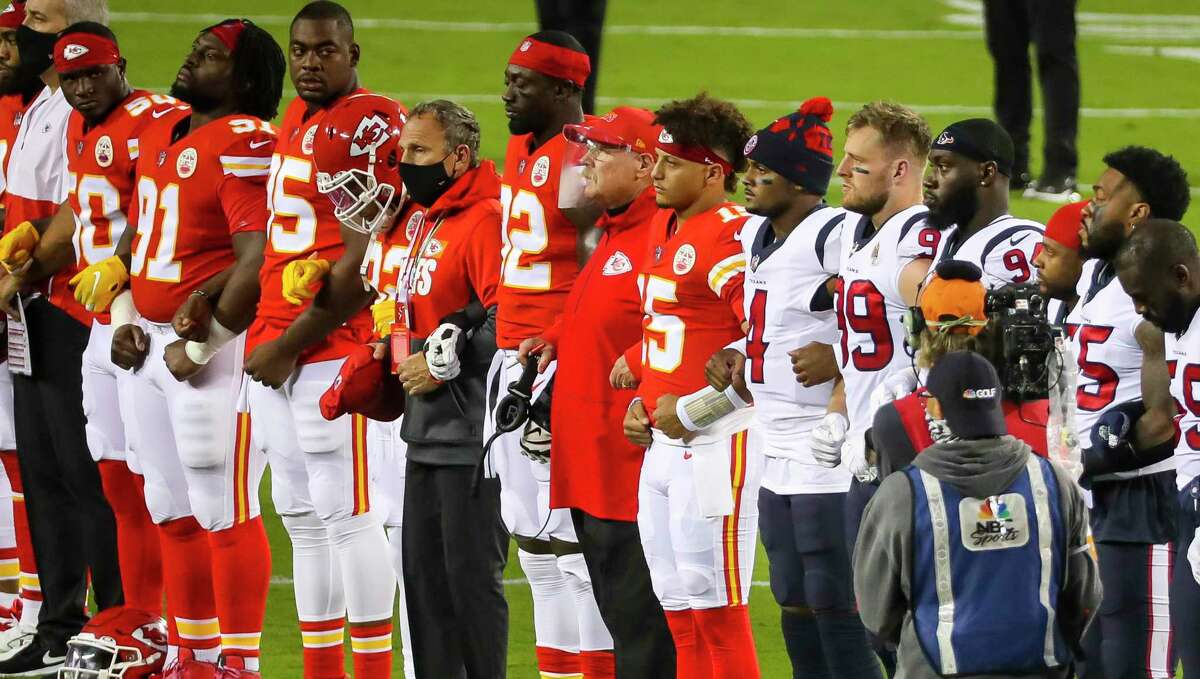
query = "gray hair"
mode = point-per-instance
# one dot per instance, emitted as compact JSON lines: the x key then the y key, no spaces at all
{"x":459,"y":123}
{"x":86,"y":10}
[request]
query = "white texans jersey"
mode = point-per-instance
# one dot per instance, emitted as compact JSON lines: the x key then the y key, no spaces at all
{"x":869,"y":306}
{"x":787,"y":306}
{"x":1183,"y":358}
{"x":1102,"y":327}
{"x":1004,"y":250}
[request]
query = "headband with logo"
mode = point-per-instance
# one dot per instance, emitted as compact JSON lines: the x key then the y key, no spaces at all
{"x":696,"y":154}
{"x":77,"y":51}
{"x":228,"y":32}
{"x":552,"y":61}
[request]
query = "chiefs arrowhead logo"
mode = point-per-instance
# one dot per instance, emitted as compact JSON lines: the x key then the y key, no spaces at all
{"x":617,"y":264}
{"x":372,"y":132}
{"x":73,"y":51}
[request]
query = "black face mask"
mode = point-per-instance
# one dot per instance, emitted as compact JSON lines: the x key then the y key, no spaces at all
{"x":426,"y":183}
{"x":36,"y":50}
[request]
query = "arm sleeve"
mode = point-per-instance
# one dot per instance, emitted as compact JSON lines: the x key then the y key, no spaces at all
{"x":633,"y":357}
{"x":483,"y":260}
{"x":727,"y":273}
{"x":879,"y":555}
{"x":554,"y":332}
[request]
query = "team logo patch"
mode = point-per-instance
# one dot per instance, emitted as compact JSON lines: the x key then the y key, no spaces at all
{"x":521,"y":167}
{"x":665,"y":137}
{"x":162,"y":158}
{"x":185,"y":164}
{"x":609,"y":117}
{"x":875,"y":255}
{"x":945,"y":138}
{"x":434,"y":248}
{"x":751,"y":143}
{"x":617,"y":264}
{"x":306,"y":144}
{"x":414,"y":223}
{"x":79,"y":148}
{"x":74,"y":51}
{"x":525,"y":46}
{"x":658,"y":253}
{"x":685,"y":259}
{"x":104,"y":151}
{"x":997,"y":522}
{"x":18,"y":116}
{"x":755,"y":261}
{"x":540,"y":172}
{"x":370,"y":135}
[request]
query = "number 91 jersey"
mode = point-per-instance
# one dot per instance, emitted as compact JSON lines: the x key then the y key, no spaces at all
{"x":538,"y":259}
{"x":194,"y":195}
{"x":1004,"y":250}
{"x":101,"y":168}
{"x":868,"y":303}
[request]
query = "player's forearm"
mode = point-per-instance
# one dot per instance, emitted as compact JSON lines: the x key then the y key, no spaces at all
{"x":125,"y":246}
{"x":341,"y":297}
{"x":54,"y":250}
{"x":1157,"y":424}
{"x":837,"y":400}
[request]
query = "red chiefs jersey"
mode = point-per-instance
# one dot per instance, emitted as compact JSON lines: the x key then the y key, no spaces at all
{"x":301,"y":224}
{"x":12,"y":107}
{"x":596,"y":468}
{"x":101,"y":167}
{"x":194,"y":194}
{"x":691,"y":290}
{"x":539,"y":257}
{"x":387,"y":254}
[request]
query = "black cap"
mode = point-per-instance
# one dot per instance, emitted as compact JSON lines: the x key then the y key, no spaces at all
{"x":968,"y":389}
{"x":978,"y":139}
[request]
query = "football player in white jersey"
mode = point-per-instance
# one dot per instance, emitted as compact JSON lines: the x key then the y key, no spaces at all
{"x":1159,"y":267}
{"x":966,"y":191}
{"x":1121,"y":359}
{"x":793,"y":249}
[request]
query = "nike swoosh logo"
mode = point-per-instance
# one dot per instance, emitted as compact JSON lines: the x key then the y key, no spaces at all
{"x":96,"y":282}
{"x":48,"y":659}
{"x":259,"y":144}
{"x":1014,"y":240}
{"x":159,"y":114}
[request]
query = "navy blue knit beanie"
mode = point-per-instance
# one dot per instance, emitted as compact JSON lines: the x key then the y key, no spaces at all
{"x":798,"y":146}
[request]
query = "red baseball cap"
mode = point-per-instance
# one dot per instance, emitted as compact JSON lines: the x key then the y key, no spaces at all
{"x":12,"y":16}
{"x":624,"y":126}
{"x":363,"y":386}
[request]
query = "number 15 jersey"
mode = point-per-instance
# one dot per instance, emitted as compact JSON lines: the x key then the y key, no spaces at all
{"x":868,"y":303}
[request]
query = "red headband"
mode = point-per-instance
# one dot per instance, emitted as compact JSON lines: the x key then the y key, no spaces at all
{"x":13,"y":16}
{"x":1065,"y":224}
{"x":228,"y":32}
{"x":77,"y":51}
{"x":552,"y":60}
{"x":696,"y":154}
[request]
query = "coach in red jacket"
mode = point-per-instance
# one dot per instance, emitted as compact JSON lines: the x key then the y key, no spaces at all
{"x":596,"y":469}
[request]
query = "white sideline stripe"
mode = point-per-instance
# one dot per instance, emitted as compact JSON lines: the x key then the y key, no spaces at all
{"x":282,"y":580}
{"x":1150,"y":27}
{"x":1191,"y":53}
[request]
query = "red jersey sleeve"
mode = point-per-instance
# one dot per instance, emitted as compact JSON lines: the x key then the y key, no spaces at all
{"x":245,"y":165}
{"x":727,"y":271}
{"x":483,"y":261}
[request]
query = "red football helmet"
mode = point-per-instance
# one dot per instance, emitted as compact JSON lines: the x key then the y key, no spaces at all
{"x":357,"y":154}
{"x":118,"y":642}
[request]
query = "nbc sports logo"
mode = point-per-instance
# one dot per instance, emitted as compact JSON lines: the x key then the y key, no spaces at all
{"x":74,"y":51}
{"x":979,"y":394}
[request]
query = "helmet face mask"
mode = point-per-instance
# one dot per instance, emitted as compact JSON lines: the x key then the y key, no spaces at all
{"x":118,"y":643}
{"x":92,"y":658}
{"x":352,"y":193}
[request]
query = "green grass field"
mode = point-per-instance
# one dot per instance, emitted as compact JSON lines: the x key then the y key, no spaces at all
{"x":1138,"y":87}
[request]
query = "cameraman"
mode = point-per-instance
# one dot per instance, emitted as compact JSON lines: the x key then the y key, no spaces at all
{"x":953,"y":317}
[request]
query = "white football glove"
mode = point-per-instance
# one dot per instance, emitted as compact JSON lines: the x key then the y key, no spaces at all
{"x":826,"y":439}
{"x":535,"y":442}
{"x":855,"y":452}
{"x":441,"y":352}
{"x":895,"y":387}
{"x":1193,"y":555}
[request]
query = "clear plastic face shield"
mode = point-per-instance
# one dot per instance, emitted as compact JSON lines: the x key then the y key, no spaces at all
{"x":360,"y":201}
{"x":586,"y":170}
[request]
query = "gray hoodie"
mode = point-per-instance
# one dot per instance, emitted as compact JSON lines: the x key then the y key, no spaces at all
{"x":883,"y":556}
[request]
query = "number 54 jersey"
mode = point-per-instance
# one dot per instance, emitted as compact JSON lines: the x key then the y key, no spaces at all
{"x":194,"y":193}
{"x":868,"y":303}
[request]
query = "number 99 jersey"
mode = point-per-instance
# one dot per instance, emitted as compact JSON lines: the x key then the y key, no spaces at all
{"x":539,"y":261}
{"x":868,"y":303}
{"x":786,"y":308}
{"x":194,"y":194}
{"x":101,"y":166}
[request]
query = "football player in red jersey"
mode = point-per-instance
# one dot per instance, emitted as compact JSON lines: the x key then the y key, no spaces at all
{"x":17,"y":90}
{"x":102,"y":143}
{"x":320,"y":487}
{"x":542,"y":242}
{"x":200,"y":233}
{"x":697,"y":500}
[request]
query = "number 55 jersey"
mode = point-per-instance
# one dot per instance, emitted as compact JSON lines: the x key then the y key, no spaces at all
{"x":868,"y":303}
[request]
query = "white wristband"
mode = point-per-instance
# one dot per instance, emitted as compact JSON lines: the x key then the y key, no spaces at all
{"x":218,"y":336}
{"x":122,"y":310}
{"x":700,"y":409}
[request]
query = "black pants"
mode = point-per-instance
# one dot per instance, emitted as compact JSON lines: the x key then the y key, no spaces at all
{"x":71,"y":524}
{"x":583,"y":19}
{"x":455,"y":548}
{"x":642,"y":641}
{"x":1050,"y":26}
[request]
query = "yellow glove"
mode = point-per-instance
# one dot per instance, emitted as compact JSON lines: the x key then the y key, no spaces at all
{"x":98,"y":284}
{"x":302,"y":278}
{"x":17,"y":246}
{"x":384,"y":314}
